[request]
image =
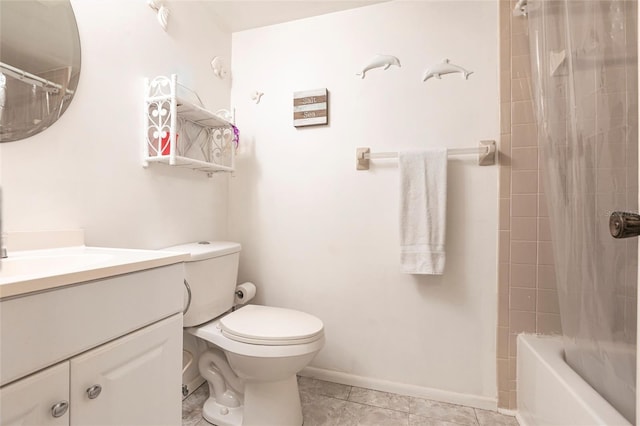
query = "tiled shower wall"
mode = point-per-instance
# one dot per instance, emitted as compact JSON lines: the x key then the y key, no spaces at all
{"x":527,"y":296}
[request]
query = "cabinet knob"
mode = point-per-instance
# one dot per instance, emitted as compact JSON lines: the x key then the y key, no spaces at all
{"x":94,"y":391}
{"x":59,"y":409}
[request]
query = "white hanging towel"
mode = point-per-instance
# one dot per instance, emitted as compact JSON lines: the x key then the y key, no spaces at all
{"x":423,"y":209}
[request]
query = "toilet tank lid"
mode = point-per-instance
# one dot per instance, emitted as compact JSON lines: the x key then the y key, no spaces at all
{"x":206,"y":249}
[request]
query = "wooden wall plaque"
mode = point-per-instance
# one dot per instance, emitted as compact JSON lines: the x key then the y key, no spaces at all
{"x":310,"y":107}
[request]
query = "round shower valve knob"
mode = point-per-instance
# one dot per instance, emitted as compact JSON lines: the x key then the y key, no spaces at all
{"x":624,"y":224}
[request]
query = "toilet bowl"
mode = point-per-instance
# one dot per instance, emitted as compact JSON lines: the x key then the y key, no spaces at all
{"x":253,"y":352}
{"x":264,"y":348}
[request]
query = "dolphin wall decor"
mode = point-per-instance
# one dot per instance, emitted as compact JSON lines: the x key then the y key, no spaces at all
{"x":379,"y":61}
{"x":445,"y":67}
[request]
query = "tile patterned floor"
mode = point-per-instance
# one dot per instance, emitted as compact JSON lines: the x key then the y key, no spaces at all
{"x":333,"y":404}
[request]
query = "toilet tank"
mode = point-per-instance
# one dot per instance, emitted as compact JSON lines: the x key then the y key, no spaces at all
{"x":211,"y":273}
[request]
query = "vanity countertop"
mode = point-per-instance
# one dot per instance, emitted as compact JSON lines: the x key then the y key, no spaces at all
{"x":31,"y":271}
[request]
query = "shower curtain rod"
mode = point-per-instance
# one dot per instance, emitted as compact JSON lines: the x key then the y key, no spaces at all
{"x":486,"y":151}
{"x":29,"y":78}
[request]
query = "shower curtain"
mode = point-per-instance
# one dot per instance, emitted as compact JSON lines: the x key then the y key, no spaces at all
{"x":584,"y":84}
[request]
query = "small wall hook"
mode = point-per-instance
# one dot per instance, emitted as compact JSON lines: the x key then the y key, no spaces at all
{"x":520,"y":8}
{"x":219,"y":69}
{"x":256,"y":96}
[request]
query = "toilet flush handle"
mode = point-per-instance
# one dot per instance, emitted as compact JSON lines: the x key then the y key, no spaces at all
{"x":186,"y":284}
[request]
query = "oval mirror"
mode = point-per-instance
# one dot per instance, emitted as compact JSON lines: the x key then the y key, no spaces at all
{"x":39,"y":65}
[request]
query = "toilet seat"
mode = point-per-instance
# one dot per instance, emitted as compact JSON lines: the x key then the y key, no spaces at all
{"x":266,"y":325}
{"x":212,"y":332}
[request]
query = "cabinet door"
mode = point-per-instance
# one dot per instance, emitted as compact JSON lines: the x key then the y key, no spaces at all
{"x":134,"y":380}
{"x":41,"y":399}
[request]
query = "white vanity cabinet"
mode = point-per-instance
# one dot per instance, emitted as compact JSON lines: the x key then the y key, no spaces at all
{"x":110,"y":348}
{"x":129,"y":381}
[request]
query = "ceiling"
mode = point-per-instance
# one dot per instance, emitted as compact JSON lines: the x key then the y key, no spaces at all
{"x":239,"y":15}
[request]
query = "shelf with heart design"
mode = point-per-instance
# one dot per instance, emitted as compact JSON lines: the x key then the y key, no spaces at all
{"x":181,"y":133}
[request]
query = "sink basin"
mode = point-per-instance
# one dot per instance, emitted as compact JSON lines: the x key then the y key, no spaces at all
{"x":25,"y":264}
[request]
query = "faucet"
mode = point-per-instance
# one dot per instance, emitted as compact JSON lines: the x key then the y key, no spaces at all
{"x":3,"y":248}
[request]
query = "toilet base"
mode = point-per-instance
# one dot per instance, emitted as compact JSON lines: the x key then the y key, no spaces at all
{"x":265,"y":404}
{"x":272,"y":403}
{"x":220,"y":415}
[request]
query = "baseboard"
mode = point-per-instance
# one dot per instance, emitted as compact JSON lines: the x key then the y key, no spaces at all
{"x":475,"y":401}
{"x":521,"y":420}
{"x":512,"y":413}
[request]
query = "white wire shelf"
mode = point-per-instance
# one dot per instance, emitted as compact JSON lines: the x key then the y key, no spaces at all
{"x":180,"y":133}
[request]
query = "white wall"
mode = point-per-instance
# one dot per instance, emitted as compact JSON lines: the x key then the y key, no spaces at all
{"x":85,"y":171}
{"x":322,"y":237}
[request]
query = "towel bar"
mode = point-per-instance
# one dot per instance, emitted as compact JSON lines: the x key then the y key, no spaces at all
{"x":486,"y":151}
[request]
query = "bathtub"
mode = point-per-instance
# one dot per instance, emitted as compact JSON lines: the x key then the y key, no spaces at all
{"x":550,"y":393}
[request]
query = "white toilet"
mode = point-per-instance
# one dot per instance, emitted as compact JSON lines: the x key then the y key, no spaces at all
{"x":253,"y":352}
